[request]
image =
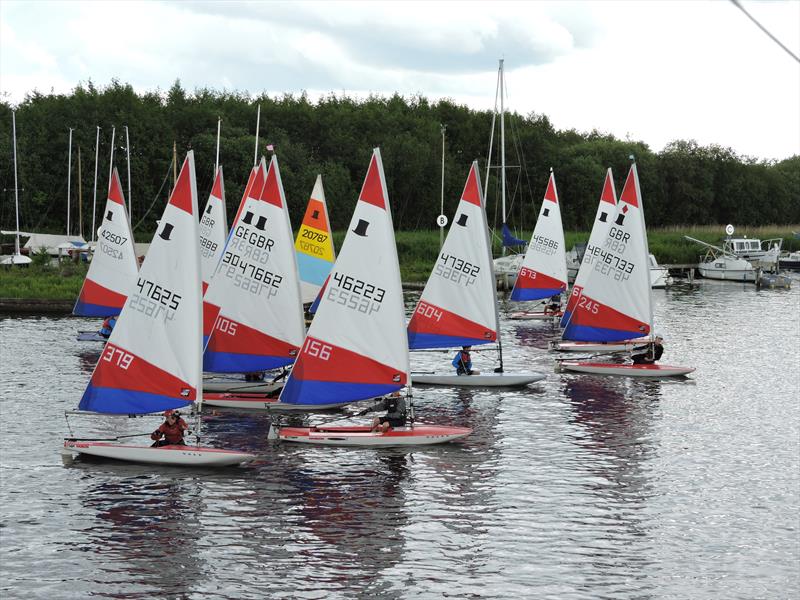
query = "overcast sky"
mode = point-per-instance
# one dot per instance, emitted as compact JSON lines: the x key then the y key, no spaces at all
{"x":650,"y":71}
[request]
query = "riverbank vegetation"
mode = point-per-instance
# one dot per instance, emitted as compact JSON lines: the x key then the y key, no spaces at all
{"x":417,"y":251}
{"x":683,"y":184}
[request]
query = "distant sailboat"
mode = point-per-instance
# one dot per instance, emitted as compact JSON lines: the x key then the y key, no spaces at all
{"x":114,"y":267}
{"x":17,"y":258}
{"x":314,"y":245}
{"x":152,"y":361}
{"x":213,"y":229}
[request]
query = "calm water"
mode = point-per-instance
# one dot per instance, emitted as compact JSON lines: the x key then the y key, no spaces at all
{"x":578,"y":487}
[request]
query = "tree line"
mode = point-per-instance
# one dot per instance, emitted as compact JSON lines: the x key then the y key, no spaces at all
{"x":684,"y":184}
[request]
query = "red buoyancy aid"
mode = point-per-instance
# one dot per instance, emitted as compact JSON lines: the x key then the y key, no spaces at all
{"x":172,"y":433}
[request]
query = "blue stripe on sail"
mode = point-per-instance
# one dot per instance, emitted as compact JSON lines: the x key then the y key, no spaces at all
{"x":313,"y":269}
{"x":232,"y":362}
{"x":84,"y":309}
{"x":126,"y":402}
{"x":420,"y":341}
{"x":521,"y":294}
{"x":315,"y":303}
{"x":311,"y":392}
{"x":565,"y":318}
{"x":584,"y":333}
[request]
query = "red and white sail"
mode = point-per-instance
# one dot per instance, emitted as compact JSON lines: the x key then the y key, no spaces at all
{"x":114,"y":266}
{"x":152,"y":361}
{"x":255,"y":182}
{"x":544,"y":269}
{"x":616,"y":301}
{"x":602,"y":219}
{"x":260,"y":324}
{"x":458,"y":305}
{"x":213,"y":229}
{"x":356,"y":347}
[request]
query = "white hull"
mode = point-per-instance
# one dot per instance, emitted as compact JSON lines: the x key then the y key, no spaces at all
{"x":727,"y":268}
{"x":598,"y":347}
{"x":535,"y":316}
{"x":625,"y":370}
{"x":257,"y":402}
{"x":242,"y":387}
{"x":487,"y":380}
{"x":182,"y":456}
{"x":418,"y":435}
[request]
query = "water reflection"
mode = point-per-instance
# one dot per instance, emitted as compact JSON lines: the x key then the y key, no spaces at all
{"x":150,"y":525}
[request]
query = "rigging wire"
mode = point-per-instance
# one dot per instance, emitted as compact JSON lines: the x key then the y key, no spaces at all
{"x":153,"y":203}
{"x":738,"y":5}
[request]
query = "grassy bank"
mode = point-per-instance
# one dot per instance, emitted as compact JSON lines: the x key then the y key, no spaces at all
{"x":417,"y":251}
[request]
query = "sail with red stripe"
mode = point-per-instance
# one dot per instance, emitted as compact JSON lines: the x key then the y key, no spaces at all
{"x":615,"y":302}
{"x":314,"y":245}
{"x":213,"y":229}
{"x":356,"y":347}
{"x":152,"y":361}
{"x":260,"y":324}
{"x":457,"y":306}
{"x":602,"y":219}
{"x":255,"y":183}
{"x":544,"y":269}
{"x":114,"y":266}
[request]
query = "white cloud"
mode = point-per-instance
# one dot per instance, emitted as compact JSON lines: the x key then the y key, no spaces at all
{"x":655,"y":70}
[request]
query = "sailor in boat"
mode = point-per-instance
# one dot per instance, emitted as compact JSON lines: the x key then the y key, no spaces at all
{"x":652,"y":354}
{"x":107,"y":327}
{"x":171,"y":429}
{"x":395,"y":407}
{"x":554,"y":306}
{"x":463,"y":362}
{"x":254,"y":376}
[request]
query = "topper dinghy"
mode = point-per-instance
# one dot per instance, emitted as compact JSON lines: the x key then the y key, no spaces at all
{"x":152,"y":361}
{"x":615,"y":304}
{"x":260,"y":325}
{"x":458,"y":306}
{"x":356,"y":348}
{"x":114,"y":266}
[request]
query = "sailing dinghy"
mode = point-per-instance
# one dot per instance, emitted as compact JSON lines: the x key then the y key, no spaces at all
{"x":113,"y":268}
{"x":213,"y":229}
{"x":152,"y":361}
{"x":260,"y":325}
{"x":356,"y":348}
{"x":458,"y":306}
{"x":615,"y":303}
{"x":606,"y":210}
{"x":314,"y":245}
{"x":543,"y":273}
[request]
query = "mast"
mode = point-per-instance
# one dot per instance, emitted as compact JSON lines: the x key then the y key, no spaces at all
{"x":216,"y":162}
{"x":258,"y":123}
{"x":442,"y":220}
{"x":69,"y":177}
{"x":80,"y":197}
{"x":502,"y":141}
{"x":491,"y":136}
{"x":174,"y":163}
{"x":16,"y":187}
{"x":493,"y":278}
{"x":128,"y":150}
{"x":111,"y":158}
{"x":96,"y":154}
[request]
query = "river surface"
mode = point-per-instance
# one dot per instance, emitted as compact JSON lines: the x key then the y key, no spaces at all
{"x":577,"y":487}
